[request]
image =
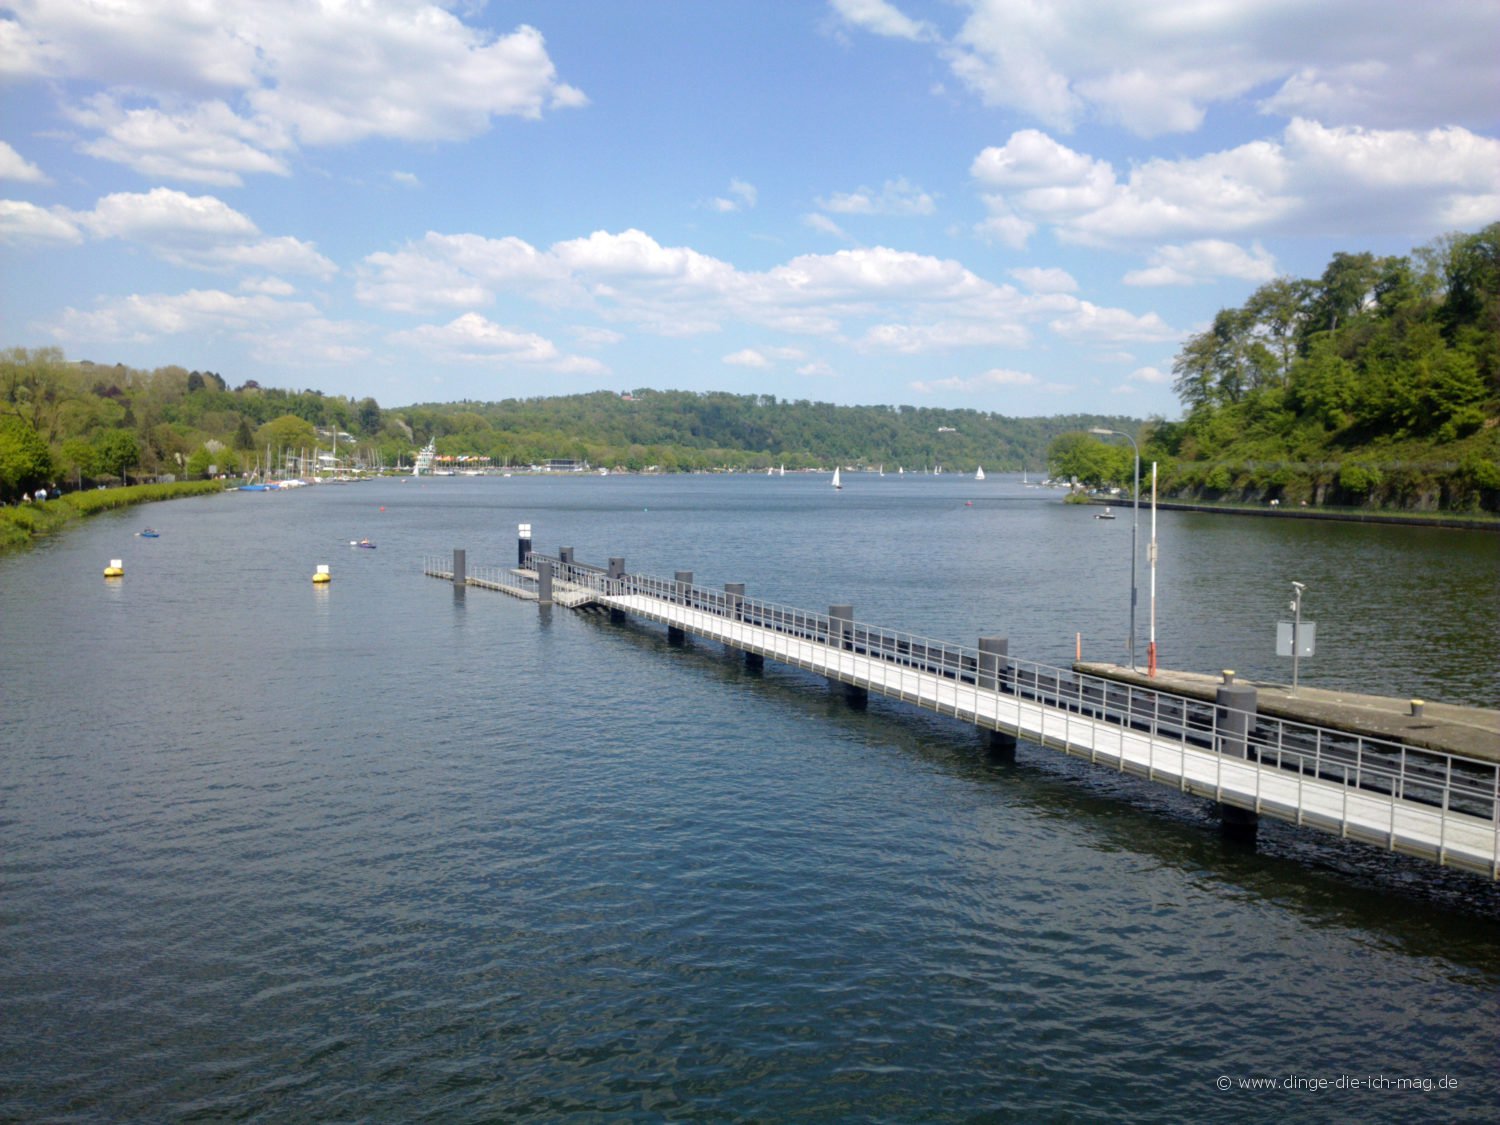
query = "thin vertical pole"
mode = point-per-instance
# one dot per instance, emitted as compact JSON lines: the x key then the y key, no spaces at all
{"x":1151,"y":647}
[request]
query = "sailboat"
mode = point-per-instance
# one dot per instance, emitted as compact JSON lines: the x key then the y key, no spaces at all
{"x":782,"y":471}
{"x":980,"y":474}
{"x":836,"y":483}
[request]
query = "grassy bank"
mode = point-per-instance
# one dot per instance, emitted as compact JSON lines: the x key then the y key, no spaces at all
{"x":26,"y":523}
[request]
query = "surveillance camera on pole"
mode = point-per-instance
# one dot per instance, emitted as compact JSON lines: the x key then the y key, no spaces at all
{"x":1296,"y":638}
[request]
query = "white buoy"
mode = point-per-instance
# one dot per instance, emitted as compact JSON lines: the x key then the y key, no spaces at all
{"x":322,"y":575}
{"x":115,"y":569}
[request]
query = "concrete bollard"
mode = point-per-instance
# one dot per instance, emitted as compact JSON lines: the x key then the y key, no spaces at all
{"x":994,"y":663}
{"x":1234,"y":716}
{"x":994,"y":675}
{"x":523,"y":543}
{"x":544,"y":583}
{"x":460,"y":567}
{"x":841,"y":625}
{"x":1417,"y":706}
{"x":841,"y":636}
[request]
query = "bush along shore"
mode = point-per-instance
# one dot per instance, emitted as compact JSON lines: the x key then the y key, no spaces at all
{"x":24,"y":523}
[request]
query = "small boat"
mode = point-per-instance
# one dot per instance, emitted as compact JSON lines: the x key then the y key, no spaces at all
{"x":1104,"y":515}
{"x":361,"y":543}
{"x":979,"y":475}
{"x":836,"y":483}
{"x":149,"y":533}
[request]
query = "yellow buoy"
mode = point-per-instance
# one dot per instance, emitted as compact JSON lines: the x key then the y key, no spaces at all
{"x":115,"y":569}
{"x":322,"y":575}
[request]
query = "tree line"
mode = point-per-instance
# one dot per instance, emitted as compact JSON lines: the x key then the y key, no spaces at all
{"x":78,"y":423}
{"x":1376,"y":383}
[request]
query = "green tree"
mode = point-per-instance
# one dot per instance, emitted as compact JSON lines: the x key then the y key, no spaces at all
{"x":119,"y":451}
{"x":25,"y":461}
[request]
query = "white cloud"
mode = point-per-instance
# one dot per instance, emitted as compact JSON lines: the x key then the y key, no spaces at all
{"x":1090,"y":322}
{"x":824,"y":225}
{"x":141,"y":317}
{"x":213,"y":92}
{"x":880,"y":298}
{"x":1040,"y":280}
{"x":14,"y":166}
{"x":1157,"y":68}
{"x":897,"y":197}
{"x":201,"y":232}
{"x":406,"y":179}
{"x":24,"y":223}
{"x":882,"y":18}
{"x":745,"y":197}
{"x":1152,"y":376}
{"x":476,"y":339}
{"x":1203,"y":261}
{"x":207,"y":143}
{"x":1342,"y":180}
{"x":996,"y":377}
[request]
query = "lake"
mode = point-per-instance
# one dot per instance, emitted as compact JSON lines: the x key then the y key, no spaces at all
{"x":388,"y":851}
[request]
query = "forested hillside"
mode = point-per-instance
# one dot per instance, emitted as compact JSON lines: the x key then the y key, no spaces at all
{"x":77,"y":423}
{"x":1377,"y":383}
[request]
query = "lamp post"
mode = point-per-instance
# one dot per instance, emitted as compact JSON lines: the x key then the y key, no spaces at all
{"x":1135,"y":527}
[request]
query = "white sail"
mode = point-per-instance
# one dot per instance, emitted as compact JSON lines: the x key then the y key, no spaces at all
{"x":980,"y":474}
{"x":836,"y":483}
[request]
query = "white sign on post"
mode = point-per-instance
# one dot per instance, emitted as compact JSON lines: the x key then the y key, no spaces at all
{"x":1307,"y":632}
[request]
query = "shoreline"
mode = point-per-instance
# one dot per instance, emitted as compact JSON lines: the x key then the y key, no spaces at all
{"x":1340,"y":515}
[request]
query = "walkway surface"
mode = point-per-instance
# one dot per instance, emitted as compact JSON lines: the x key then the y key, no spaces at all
{"x":1451,"y":728}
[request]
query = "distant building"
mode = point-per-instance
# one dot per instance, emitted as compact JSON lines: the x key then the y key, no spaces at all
{"x":563,"y":465}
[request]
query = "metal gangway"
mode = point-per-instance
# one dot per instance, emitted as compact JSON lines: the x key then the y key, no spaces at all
{"x":1431,"y":804}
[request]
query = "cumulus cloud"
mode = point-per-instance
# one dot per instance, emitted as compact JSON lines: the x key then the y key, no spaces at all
{"x":24,"y":224}
{"x":744,"y":196}
{"x":1045,"y":280}
{"x":879,"y":298}
{"x":211,"y":93}
{"x":896,"y":197}
{"x":1339,"y":180}
{"x":14,"y":166}
{"x":475,"y":339}
{"x":275,"y":331}
{"x":1158,"y":68}
{"x":1205,"y":260}
{"x":201,"y":232}
{"x":882,"y":18}
{"x":996,"y":377}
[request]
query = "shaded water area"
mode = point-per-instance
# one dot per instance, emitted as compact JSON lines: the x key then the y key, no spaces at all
{"x":390,"y":851}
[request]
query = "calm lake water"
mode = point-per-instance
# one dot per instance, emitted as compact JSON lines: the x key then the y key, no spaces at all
{"x":385,"y":851}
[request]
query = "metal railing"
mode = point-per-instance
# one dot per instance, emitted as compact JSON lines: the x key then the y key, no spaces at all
{"x":1373,"y":766}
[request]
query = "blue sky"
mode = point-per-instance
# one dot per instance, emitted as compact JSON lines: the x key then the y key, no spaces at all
{"x":1019,"y":206}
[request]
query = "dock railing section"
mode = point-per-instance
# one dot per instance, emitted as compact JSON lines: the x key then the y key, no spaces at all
{"x":994,"y":689}
{"x":1370,"y":766}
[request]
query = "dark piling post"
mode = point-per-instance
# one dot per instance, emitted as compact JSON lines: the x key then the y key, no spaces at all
{"x":682,"y":594}
{"x":565,"y":555}
{"x":523,"y":543}
{"x":543,"y":583}
{"x":1234,"y":716}
{"x":994,"y":675}
{"x":460,"y":567}
{"x":841,"y":636}
{"x":616,"y":572}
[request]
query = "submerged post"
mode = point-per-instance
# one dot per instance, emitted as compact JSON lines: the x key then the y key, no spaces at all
{"x":460,"y":578}
{"x":1234,"y":717}
{"x":523,"y":543}
{"x":994,"y":675}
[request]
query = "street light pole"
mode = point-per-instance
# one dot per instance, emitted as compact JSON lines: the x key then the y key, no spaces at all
{"x":1135,"y":528}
